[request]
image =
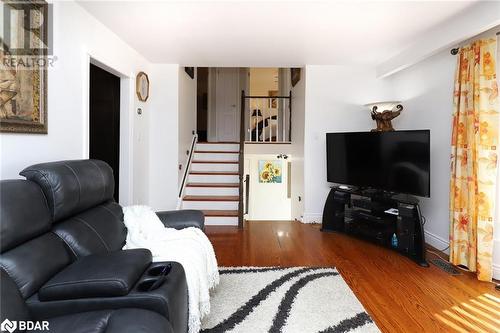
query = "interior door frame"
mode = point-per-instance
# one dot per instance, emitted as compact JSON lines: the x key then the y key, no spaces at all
{"x":212,"y":134}
{"x":236,"y":104}
{"x":127,"y":91}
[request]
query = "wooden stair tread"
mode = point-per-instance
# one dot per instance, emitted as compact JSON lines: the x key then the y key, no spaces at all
{"x":230,"y":173}
{"x":215,"y":162}
{"x":213,"y":185}
{"x":215,"y":152}
{"x":211,"y":198}
{"x":218,"y":143}
{"x":220,"y":213}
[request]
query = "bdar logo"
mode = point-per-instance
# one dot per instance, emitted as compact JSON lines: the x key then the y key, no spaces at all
{"x":9,"y":326}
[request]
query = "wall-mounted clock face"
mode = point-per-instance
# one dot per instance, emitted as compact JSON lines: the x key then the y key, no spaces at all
{"x":142,"y":86}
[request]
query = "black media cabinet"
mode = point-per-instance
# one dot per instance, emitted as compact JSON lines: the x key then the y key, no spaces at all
{"x":362,"y":213}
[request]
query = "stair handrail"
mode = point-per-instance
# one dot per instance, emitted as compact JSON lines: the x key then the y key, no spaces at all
{"x":187,"y":169}
{"x":241,"y":159}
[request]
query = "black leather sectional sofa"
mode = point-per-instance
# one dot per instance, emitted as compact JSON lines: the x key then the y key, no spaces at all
{"x":61,"y":236}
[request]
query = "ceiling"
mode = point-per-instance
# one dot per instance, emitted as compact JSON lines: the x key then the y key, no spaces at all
{"x":264,"y":34}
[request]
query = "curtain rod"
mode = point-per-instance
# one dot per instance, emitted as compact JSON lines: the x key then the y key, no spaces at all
{"x":455,"y":50}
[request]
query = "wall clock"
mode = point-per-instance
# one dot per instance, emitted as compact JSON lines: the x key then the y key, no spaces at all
{"x":142,"y":86}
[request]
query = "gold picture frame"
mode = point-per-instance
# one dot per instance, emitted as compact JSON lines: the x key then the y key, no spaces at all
{"x":23,"y":91}
{"x":142,"y":86}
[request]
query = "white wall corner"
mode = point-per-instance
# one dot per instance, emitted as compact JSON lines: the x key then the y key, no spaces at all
{"x":312,"y":218}
{"x":496,"y":262}
{"x":477,"y":19}
{"x":496,"y":271}
{"x":437,"y":241}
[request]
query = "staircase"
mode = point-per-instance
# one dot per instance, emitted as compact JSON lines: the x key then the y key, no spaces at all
{"x":213,"y":183}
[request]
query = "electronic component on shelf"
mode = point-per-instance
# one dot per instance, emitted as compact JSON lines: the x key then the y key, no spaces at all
{"x":392,"y":211}
{"x":380,"y":217}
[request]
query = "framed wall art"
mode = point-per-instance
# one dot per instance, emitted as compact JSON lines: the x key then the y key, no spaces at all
{"x":23,"y":73}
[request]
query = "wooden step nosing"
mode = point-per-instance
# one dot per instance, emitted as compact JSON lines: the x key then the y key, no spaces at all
{"x":218,"y":143}
{"x":215,"y":152}
{"x":215,"y":198}
{"x":214,"y":162}
{"x":214,"y":173}
{"x":220,"y":213}
{"x":213,"y":185}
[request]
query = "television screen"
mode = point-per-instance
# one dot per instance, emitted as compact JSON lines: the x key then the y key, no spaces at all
{"x":396,"y":161}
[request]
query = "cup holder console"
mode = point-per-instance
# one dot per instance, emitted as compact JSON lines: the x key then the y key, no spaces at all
{"x":156,"y":276}
{"x":147,"y":285}
{"x":161,"y":270}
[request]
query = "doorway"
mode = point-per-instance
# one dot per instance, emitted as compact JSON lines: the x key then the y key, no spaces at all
{"x":226,"y":104}
{"x":269,"y":197}
{"x":202,"y":104}
{"x":104,"y":120}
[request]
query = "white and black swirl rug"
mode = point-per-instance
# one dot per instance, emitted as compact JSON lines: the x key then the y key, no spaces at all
{"x":294,"y":300}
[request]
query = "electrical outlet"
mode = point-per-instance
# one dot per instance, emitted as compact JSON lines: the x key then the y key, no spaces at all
{"x":180,"y":166}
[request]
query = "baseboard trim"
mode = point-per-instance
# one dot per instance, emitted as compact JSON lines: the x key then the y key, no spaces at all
{"x":496,"y":256}
{"x":496,"y":271}
{"x":312,"y":218}
{"x":437,"y":241}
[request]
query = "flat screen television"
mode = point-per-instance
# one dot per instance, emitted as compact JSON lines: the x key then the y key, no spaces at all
{"x":396,"y":161}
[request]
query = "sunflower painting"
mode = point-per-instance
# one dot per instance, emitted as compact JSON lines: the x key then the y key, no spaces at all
{"x":270,"y":172}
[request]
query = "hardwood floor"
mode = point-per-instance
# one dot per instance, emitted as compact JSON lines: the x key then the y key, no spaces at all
{"x":398,"y":294}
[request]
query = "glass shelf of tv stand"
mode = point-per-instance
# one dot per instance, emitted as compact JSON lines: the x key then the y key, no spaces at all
{"x":378,"y":231}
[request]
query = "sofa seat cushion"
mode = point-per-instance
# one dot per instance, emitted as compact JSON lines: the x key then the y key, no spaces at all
{"x":99,"y":275}
{"x":111,"y":321}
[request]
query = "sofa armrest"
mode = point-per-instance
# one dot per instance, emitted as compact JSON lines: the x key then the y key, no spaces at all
{"x":180,"y":219}
{"x":98,"y":275}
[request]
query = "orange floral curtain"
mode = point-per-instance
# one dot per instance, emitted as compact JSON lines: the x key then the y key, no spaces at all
{"x":474,"y":158}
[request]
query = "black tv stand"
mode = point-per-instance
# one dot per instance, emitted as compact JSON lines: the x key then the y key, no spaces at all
{"x":362,"y":213}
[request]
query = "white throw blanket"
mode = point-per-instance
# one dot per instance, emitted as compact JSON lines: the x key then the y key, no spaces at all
{"x":189,"y":247}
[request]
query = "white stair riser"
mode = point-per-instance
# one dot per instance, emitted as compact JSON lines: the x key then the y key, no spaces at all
{"x":210,"y":205}
{"x":214,"y":179}
{"x":219,"y":220}
{"x":214,"y":167}
{"x":214,"y":191}
{"x":218,"y":147}
{"x":215,"y":157}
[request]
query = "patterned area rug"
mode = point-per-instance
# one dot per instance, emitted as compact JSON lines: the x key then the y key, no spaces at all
{"x":294,"y":299}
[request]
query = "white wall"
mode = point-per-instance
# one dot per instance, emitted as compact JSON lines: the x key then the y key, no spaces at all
{"x":298,"y":121}
{"x":267,"y":201}
{"x":334,"y":98}
{"x":262,"y":80}
{"x":187,"y":117}
{"x":147,"y":140}
{"x":442,"y":37}
{"x":426,"y":90}
{"x":76,"y":35}
{"x":163,"y":138}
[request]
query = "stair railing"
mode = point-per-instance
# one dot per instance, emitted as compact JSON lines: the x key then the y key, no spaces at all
{"x":185,"y":175}
{"x":269,"y":118}
{"x":241,"y":157}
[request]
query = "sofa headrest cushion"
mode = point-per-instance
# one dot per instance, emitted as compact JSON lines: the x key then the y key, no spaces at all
{"x":72,"y":186}
{"x":24,"y":213}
